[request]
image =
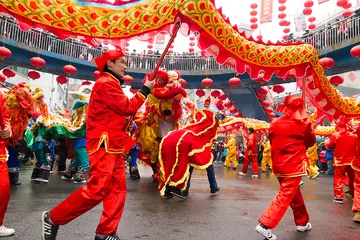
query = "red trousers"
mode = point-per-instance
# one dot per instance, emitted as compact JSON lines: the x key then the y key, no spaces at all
{"x":254,"y":162}
{"x":340,"y":179}
{"x":289,"y":195}
{"x":107,"y":184}
{"x":356,"y":204}
{"x":4,"y":190}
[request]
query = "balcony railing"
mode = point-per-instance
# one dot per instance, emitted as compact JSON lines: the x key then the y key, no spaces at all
{"x":42,"y":40}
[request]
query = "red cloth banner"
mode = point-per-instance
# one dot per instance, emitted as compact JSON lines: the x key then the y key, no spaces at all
{"x":266,"y":11}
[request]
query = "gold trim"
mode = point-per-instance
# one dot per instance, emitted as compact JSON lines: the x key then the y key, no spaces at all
{"x":104,"y":138}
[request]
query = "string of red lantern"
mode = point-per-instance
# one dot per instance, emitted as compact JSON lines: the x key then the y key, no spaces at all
{"x":253,"y":16}
{"x":282,"y":19}
{"x":307,"y":12}
{"x":346,"y":5}
{"x":192,"y":44}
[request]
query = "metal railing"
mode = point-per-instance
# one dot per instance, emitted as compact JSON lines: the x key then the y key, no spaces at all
{"x":42,"y":40}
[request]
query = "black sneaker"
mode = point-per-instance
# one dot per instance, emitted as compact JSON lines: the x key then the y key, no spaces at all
{"x":48,"y":229}
{"x":168,"y":194}
{"x":107,"y":237}
{"x":177,"y":193}
{"x":215,"y":190}
{"x":339,"y":201}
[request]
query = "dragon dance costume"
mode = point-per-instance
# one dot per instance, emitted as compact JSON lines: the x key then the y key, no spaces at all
{"x":356,"y":167}
{"x":251,"y":154}
{"x":106,"y":142}
{"x":344,"y":144}
{"x":290,"y":136}
{"x":313,"y":156}
{"x":231,"y":153}
{"x":4,"y":176}
{"x":266,"y":159}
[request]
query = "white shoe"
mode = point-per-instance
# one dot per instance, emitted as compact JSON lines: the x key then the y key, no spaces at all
{"x":242,"y":174}
{"x":301,"y":183}
{"x":254,"y":176}
{"x":265,"y":232}
{"x":315,"y":176}
{"x":4,"y":231}
{"x":307,"y":227}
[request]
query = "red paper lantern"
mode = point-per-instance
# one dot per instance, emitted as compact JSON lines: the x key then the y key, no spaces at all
{"x":170,"y":51}
{"x":253,"y":13}
{"x":347,"y":5}
{"x":253,"y":26}
{"x":312,"y":19}
{"x":282,"y":1}
{"x":183,"y":83}
{"x":192,"y":44}
{"x":86,"y":83}
{"x":309,"y":3}
{"x":336,"y":80}
{"x":149,"y":46}
{"x":4,"y":53}
{"x":286,"y":30}
{"x":171,"y":46}
{"x":96,"y":74}
{"x":312,"y":26}
{"x":70,"y":70}
{"x":271,"y":115}
{"x":282,"y":8}
{"x":237,"y":114}
{"x":133,"y":90}
{"x":262,"y":92}
{"x":207,"y":82}
{"x":228,"y":104}
{"x":2,"y":78}
{"x":282,"y":15}
{"x":61,"y":79}
{"x":253,"y":20}
{"x":347,"y":13}
{"x":341,"y":3}
{"x":222,"y":97}
{"x":215,"y":93}
{"x":34,"y":75}
{"x":285,"y":37}
{"x":265,"y":103}
{"x":355,"y":52}
{"x":268,"y":110}
{"x":191,"y":49}
{"x":192,"y":38}
{"x":278,"y":89}
{"x":234,"y":82}
{"x":253,"y":5}
{"x":287,"y":23}
{"x":327,"y":62}
{"x":9,"y":72}
{"x":307,"y":11}
{"x":200,"y":92}
{"x":233,"y":110}
{"x":282,"y":22}
{"x":37,"y":62}
{"x":128,"y":79}
{"x":220,"y":107}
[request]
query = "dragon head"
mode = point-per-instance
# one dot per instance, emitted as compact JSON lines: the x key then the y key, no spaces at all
{"x":85,"y":92}
{"x":19,"y":96}
{"x":38,"y":95}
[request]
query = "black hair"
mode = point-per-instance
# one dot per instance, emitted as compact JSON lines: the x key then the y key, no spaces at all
{"x":251,"y":130}
{"x":106,"y":69}
{"x":167,"y":112}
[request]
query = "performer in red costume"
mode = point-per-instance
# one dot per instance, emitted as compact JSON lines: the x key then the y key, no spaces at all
{"x":344,"y":144}
{"x":5,"y":133}
{"x":356,"y":167}
{"x":106,"y":141}
{"x":290,"y":136}
{"x":251,"y":155}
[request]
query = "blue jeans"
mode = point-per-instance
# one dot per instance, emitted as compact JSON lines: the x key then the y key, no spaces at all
{"x":134,"y":155}
{"x":330,"y":166}
{"x":211,"y":177}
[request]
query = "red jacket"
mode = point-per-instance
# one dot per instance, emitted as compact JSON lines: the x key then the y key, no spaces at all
{"x":251,"y":145}
{"x":344,"y":145}
{"x":289,"y":140}
{"x":5,"y":118}
{"x":106,"y":120}
{"x":356,"y":161}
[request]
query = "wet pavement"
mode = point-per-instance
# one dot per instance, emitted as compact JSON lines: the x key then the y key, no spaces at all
{"x":230,"y":214}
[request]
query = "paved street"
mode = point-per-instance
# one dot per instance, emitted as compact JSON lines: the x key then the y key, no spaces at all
{"x":231,"y":214}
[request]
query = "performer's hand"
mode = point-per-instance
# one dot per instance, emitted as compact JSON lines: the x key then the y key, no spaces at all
{"x":5,"y":133}
{"x":149,"y":84}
